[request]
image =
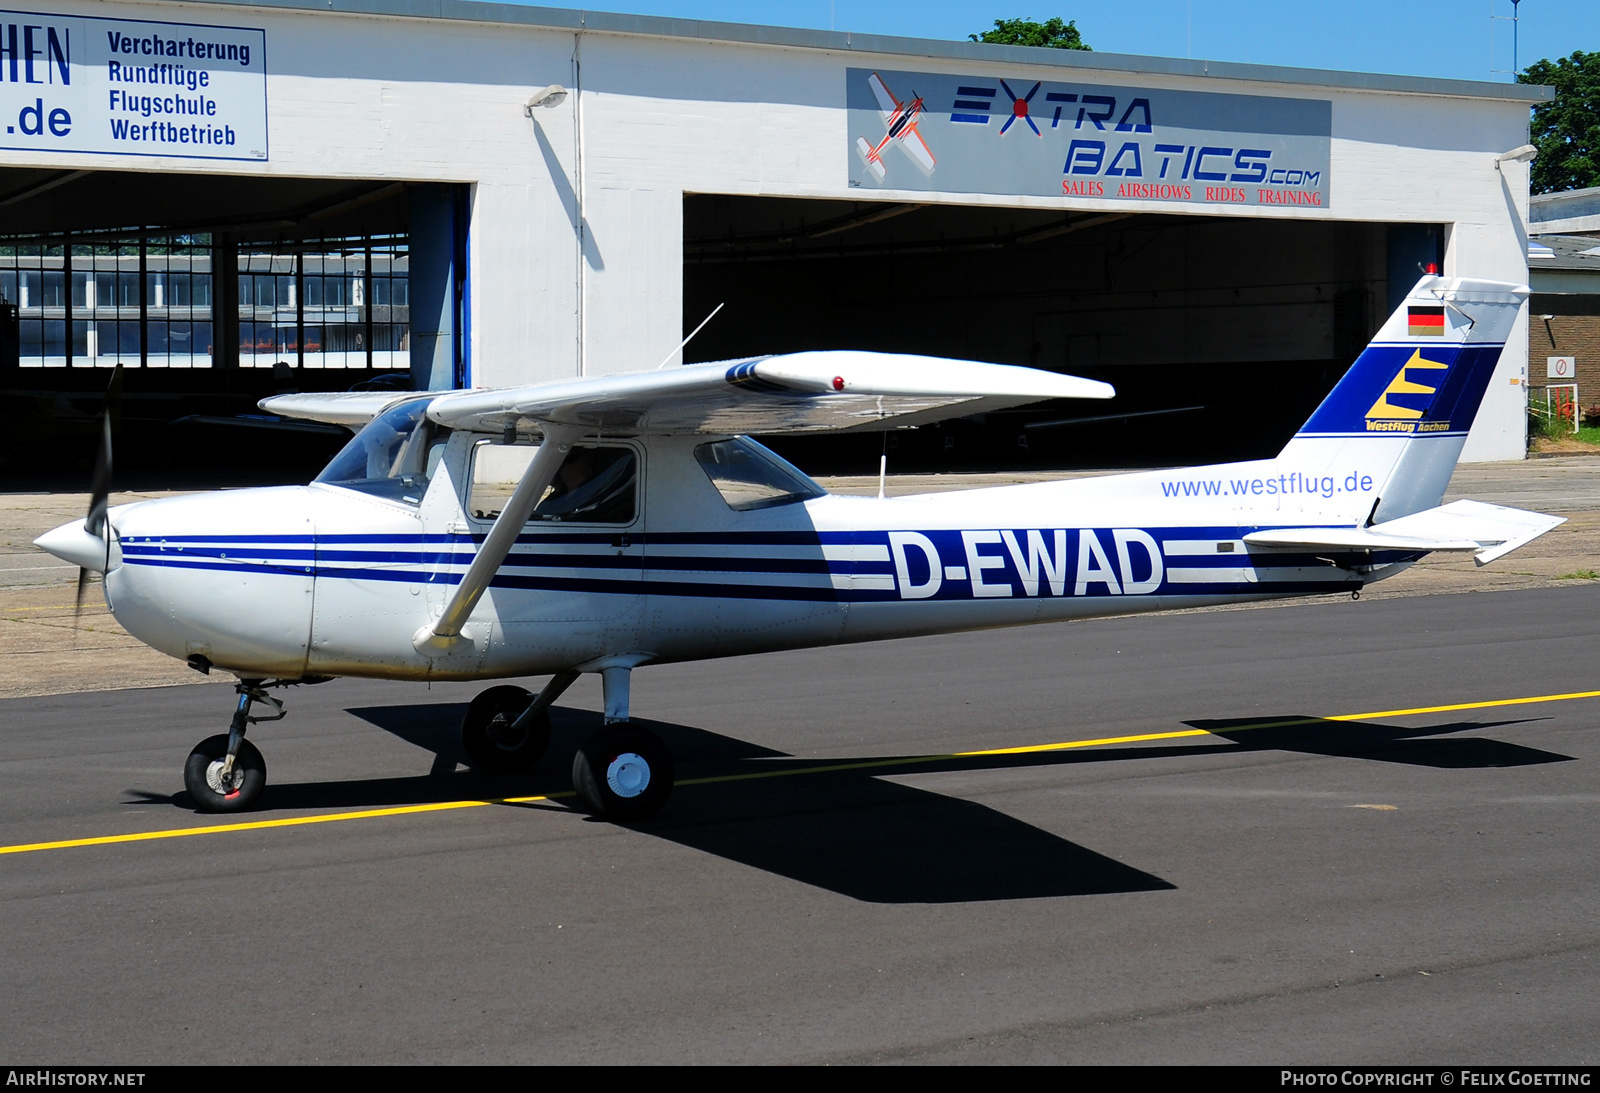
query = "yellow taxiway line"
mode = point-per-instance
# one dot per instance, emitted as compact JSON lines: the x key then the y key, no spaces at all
{"x":1064,"y":745}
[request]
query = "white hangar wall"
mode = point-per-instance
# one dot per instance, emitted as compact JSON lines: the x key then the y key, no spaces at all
{"x":576,"y":228}
{"x":657,"y":125}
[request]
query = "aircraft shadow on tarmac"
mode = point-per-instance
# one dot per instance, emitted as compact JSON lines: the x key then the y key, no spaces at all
{"x":1384,"y":743}
{"x":838,"y":824}
{"x":843,"y":830}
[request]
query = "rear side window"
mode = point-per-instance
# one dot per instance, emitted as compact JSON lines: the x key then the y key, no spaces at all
{"x":752,"y":477}
{"x":595,"y":485}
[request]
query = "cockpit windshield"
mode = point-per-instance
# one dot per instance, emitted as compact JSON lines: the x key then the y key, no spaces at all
{"x":393,"y":457}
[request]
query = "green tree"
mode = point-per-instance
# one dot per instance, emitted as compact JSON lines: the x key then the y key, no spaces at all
{"x":1052,"y":33}
{"x":1567,"y":130}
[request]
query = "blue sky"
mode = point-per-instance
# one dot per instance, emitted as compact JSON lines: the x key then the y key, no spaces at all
{"x":1448,"y":38}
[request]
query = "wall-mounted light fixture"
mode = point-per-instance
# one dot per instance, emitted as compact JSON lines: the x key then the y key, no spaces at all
{"x":1523,"y":154}
{"x":554,"y":95}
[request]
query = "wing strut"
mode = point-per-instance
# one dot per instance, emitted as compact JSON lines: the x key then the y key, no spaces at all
{"x":443,"y":634}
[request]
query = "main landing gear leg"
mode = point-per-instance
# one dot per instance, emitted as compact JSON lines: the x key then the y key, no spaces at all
{"x":506,"y":731}
{"x":227,"y":773}
{"x":622,"y":772}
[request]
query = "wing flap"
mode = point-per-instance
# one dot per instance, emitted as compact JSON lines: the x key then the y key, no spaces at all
{"x":797,"y":392}
{"x":1466,"y":527}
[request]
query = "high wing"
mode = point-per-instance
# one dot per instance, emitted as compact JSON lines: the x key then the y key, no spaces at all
{"x":836,"y":390}
{"x":912,"y":143}
{"x":887,"y":103}
{"x":352,"y":408}
{"x":1465,"y":527}
{"x":796,"y":392}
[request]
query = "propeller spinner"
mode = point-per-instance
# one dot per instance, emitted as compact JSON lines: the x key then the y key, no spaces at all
{"x":87,"y":543}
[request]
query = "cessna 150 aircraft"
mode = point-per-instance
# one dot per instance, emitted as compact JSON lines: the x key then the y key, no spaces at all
{"x":599,"y":525}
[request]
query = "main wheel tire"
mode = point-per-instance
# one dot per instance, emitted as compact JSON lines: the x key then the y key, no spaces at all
{"x":202,"y":776}
{"x":623,"y":773}
{"x":489,"y":740}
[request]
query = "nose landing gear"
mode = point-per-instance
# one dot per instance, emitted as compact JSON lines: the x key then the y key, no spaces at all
{"x":227,"y":773}
{"x":220,"y":782}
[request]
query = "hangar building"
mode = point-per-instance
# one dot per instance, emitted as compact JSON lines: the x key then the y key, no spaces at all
{"x":234,"y":198}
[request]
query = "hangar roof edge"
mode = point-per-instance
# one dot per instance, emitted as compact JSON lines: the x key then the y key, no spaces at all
{"x":571,"y":19}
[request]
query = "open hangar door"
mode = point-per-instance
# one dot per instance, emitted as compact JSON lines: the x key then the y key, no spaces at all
{"x":211,"y":292}
{"x":1221,"y":334}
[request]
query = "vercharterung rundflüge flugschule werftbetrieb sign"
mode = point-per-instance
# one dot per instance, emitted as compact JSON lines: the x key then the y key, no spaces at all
{"x":125,"y":87}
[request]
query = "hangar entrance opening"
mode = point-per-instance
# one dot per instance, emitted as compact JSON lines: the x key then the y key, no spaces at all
{"x":1221,"y":334}
{"x":211,"y":292}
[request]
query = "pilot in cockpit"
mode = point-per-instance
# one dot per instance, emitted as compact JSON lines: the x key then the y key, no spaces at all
{"x":593,"y":485}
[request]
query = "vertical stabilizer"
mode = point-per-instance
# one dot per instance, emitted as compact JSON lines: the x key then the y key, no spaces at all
{"x":1400,"y":416}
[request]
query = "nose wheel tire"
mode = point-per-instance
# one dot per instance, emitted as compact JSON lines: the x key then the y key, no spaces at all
{"x":623,"y":773}
{"x":491,"y":739}
{"x":214,"y":792}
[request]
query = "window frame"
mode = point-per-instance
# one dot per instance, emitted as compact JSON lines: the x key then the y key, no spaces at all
{"x":482,"y":440}
{"x":763,"y":453}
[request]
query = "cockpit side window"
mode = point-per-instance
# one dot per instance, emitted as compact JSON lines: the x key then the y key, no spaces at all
{"x":597,"y":484}
{"x":750,"y":476}
{"x":393,"y":457}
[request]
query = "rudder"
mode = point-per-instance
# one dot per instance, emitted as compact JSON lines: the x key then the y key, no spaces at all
{"x":1403,"y":410}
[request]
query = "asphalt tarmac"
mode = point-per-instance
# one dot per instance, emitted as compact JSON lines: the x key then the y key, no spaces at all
{"x":1254,"y":877}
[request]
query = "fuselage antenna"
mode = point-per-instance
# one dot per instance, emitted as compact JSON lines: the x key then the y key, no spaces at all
{"x":692,"y":333}
{"x":883,"y":466}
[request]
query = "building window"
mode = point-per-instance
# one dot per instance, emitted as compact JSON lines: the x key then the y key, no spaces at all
{"x":338,"y":303}
{"x":146,"y":300}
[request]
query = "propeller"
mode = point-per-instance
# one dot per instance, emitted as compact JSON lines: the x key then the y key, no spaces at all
{"x":99,"y":491}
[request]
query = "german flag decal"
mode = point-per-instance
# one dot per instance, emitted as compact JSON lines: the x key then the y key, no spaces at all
{"x":1425,"y":321}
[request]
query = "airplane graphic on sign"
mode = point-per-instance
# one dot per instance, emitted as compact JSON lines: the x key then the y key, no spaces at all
{"x":901,"y":120}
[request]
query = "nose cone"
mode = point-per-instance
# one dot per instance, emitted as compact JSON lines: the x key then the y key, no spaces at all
{"x":228,"y":576}
{"x":74,"y":543}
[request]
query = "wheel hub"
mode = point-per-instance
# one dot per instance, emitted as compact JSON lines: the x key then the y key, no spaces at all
{"x":501,"y":734}
{"x":628,"y":775}
{"x":218,"y":784}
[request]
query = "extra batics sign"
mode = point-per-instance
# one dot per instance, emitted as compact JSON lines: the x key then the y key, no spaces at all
{"x":992,"y":135}
{"x":121,"y":87}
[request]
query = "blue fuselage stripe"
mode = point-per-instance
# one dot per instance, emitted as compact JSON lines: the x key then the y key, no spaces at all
{"x":633,"y":587}
{"x":883,"y":566}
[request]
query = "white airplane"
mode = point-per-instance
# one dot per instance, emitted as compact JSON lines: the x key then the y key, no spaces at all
{"x":600,"y":525}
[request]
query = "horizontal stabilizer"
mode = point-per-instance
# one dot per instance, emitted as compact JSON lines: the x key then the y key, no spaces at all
{"x":870,"y":158}
{"x":792,"y":393}
{"x":1467,"y":527}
